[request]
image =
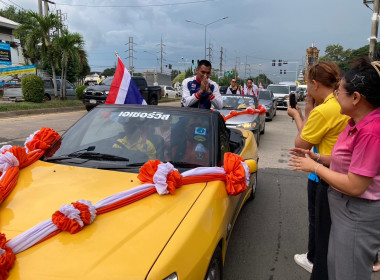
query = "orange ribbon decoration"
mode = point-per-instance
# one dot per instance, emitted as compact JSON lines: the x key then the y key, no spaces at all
{"x":41,"y":141}
{"x":260,"y":110}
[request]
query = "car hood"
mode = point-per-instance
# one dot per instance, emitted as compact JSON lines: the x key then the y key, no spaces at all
{"x":265,"y":102}
{"x":245,"y":118}
{"x":276,"y":95}
{"x":120,"y":244}
{"x":98,"y":88}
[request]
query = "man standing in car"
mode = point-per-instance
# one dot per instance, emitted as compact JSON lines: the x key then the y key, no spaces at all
{"x":199,"y":91}
{"x":233,"y":88}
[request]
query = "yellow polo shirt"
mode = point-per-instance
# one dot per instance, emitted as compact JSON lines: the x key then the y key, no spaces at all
{"x":324,"y":125}
{"x":144,"y":146}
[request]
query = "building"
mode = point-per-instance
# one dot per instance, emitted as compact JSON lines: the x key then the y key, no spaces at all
{"x":10,"y":47}
{"x":312,"y":56}
{"x":157,"y":79}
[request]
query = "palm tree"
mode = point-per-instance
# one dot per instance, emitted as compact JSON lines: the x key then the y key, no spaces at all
{"x":68,"y":45}
{"x":38,"y":36}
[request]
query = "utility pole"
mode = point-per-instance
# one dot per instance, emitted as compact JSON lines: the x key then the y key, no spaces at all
{"x":59,"y":15}
{"x":209,"y":51}
{"x":374,"y":31}
{"x":221,"y":61}
{"x":237,"y":62}
{"x":46,"y":8}
{"x":40,"y":7}
{"x":130,"y":55}
{"x":162,"y":53}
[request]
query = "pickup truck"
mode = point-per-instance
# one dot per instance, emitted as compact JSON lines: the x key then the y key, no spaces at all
{"x":97,"y":94}
{"x":13,"y":91}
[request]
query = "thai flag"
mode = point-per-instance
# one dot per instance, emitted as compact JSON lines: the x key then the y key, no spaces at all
{"x":123,"y":89}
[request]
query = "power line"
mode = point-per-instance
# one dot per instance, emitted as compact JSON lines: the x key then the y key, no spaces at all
{"x":16,"y":5}
{"x":134,"y":6}
{"x":5,"y":4}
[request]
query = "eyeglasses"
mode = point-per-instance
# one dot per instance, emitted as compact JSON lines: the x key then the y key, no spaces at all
{"x":233,"y":81}
{"x":336,"y":92}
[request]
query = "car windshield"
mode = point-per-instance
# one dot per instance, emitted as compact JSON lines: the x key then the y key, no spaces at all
{"x":131,"y":136}
{"x":237,"y":102}
{"x":279,"y":89}
{"x":107,"y":81}
{"x":265,"y":94}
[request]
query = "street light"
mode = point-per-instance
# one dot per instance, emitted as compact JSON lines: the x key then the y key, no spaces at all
{"x":205,"y":26}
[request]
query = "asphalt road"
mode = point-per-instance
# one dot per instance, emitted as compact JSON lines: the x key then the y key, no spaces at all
{"x":269,"y":230}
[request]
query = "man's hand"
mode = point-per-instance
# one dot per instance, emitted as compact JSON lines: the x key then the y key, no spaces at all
{"x":205,"y":86}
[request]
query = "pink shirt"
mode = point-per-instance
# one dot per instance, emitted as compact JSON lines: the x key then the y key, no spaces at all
{"x":357,"y":150}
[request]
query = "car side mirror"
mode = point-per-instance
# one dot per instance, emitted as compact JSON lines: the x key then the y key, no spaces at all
{"x":252,"y":165}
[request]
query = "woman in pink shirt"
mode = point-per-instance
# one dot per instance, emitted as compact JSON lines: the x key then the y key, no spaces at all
{"x":354,"y":175}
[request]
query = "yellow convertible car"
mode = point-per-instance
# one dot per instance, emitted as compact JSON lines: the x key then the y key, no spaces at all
{"x":182,"y":235}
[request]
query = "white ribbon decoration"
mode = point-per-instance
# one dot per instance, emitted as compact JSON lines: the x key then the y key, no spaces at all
{"x":72,"y":213}
{"x":203,"y":171}
{"x":122,"y":195}
{"x":35,"y":234}
{"x":247,"y":173}
{"x":32,"y":236}
{"x":28,"y":139}
{"x":91,"y":209}
{"x":7,"y":160}
{"x":5,"y":148}
{"x":160,"y":177}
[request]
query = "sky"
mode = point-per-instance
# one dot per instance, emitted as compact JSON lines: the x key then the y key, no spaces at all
{"x":255,"y":32}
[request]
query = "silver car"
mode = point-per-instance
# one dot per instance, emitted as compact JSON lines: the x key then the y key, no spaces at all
{"x":254,"y":123}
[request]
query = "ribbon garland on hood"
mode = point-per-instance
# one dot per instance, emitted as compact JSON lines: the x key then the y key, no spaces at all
{"x":156,"y":176}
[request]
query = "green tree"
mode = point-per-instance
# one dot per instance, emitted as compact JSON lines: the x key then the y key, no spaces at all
{"x":174,"y":74}
{"x":337,"y":54}
{"x":37,"y":32}
{"x":179,"y":78}
{"x":68,"y":46}
{"x":109,"y":72}
{"x":189,"y":72}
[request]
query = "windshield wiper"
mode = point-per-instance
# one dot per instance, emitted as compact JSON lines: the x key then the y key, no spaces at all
{"x":71,"y":155}
{"x":94,"y":155}
{"x":185,"y":164}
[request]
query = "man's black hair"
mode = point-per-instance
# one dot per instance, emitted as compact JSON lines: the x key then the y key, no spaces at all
{"x":204,"y":62}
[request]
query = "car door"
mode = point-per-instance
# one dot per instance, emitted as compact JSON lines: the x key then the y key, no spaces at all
{"x":171,"y":92}
{"x":70,"y":90}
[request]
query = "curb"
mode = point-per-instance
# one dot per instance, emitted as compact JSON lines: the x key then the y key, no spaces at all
{"x":40,"y":111}
{"x":19,"y":113}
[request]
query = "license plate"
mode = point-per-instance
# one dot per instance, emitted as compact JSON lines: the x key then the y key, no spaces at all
{"x":92,"y":101}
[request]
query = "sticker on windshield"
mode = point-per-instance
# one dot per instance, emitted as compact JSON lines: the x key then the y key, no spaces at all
{"x":200,"y":134}
{"x":152,"y":115}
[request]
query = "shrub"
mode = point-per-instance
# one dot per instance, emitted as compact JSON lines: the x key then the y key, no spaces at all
{"x":32,"y":88}
{"x":79,"y":92}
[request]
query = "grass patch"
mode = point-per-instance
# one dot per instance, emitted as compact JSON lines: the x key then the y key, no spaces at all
{"x":17,"y":106}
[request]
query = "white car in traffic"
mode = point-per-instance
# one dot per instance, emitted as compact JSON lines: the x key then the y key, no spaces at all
{"x":170,"y":92}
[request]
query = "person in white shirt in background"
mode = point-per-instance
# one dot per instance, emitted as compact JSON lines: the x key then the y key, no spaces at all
{"x":233,"y":88}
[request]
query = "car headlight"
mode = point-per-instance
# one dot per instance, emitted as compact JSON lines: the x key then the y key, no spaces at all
{"x":172,"y":276}
{"x":85,"y":90}
{"x":247,"y":125}
{"x":106,"y":92}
